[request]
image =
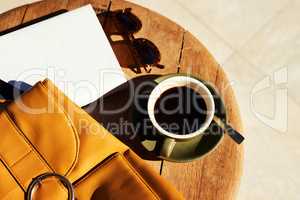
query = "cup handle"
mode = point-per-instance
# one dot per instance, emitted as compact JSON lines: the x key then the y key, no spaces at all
{"x":167,"y":147}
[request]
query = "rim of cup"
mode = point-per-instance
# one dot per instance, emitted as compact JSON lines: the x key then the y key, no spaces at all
{"x":180,"y":81}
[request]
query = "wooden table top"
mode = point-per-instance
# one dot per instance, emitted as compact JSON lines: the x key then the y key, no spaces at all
{"x":216,"y":176}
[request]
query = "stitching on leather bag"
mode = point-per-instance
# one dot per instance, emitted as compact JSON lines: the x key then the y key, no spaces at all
{"x":39,"y":156}
{"x":134,"y":170}
{"x":31,"y":146}
{"x":106,"y":162}
{"x":17,"y":180}
{"x":94,"y":169}
{"x":75,"y":133}
{"x":20,"y":159}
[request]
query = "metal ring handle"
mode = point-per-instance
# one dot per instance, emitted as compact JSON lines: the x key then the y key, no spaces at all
{"x":62,"y":179}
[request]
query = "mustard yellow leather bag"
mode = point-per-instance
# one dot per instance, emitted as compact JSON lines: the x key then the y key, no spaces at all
{"x":52,"y":149}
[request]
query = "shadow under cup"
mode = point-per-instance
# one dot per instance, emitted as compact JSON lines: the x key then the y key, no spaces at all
{"x":180,"y":108}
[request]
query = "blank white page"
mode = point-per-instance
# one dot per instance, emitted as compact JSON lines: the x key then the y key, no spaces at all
{"x":70,"y":49}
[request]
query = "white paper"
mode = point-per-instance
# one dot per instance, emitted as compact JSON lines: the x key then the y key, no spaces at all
{"x":71,"y":49}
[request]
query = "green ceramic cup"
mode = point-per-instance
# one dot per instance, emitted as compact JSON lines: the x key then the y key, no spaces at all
{"x":165,"y":83}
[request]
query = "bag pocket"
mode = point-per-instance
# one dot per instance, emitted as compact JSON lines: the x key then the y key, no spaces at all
{"x":114,"y":178}
{"x":9,"y":188}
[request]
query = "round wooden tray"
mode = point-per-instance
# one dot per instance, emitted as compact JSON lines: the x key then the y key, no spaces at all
{"x":217,"y":176}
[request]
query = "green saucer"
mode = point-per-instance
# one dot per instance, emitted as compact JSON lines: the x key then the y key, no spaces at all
{"x":197,"y":147}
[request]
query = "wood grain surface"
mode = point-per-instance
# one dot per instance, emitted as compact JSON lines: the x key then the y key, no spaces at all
{"x":215,"y":177}
{"x":12,"y":18}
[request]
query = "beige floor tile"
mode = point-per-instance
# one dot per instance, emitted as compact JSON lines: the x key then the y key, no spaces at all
{"x":7,"y":5}
{"x":174,"y":11}
{"x":277,"y":46}
{"x":278,"y":42}
{"x":272,"y":157}
{"x":294,"y":80}
{"x":236,"y":21}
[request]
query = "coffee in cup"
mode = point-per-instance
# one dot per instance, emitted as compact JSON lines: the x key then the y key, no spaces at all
{"x":180,"y":108}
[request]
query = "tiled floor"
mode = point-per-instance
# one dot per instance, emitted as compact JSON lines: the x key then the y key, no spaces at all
{"x":252,"y":40}
{"x":10,"y":4}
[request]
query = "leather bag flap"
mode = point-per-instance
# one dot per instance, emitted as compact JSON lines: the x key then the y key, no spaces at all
{"x":39,"y":116}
